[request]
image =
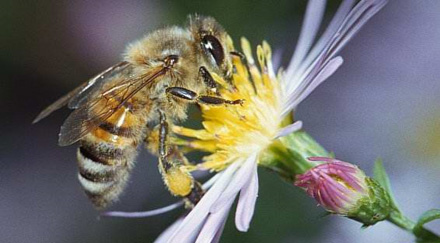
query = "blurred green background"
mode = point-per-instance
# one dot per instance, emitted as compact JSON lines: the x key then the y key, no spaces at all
{"x":382,"y":102}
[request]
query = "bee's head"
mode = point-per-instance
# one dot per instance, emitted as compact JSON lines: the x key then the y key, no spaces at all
{"x":214,"y":43}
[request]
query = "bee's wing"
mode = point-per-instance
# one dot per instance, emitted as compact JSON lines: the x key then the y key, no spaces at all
{"x":96,"y":83}
{"x":102,"y":104}
{"x":76,"y":97}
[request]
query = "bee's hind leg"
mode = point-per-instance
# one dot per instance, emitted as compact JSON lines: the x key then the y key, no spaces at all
{"x":171,"y":165}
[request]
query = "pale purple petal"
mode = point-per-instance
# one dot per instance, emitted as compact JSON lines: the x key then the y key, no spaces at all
{"x":297,"y":82}
{"x":246,"y":202}
{"x":211,"y":181}
{"x":312,"y":21}
{"x":190,"y":237}
{"x":329,"y":32}
{"x":358,"y":17}
{"x":166,"y":235}
{"x":289,"y":129}
{"x":320,"y":77}
{"x":214,"y":223}
{"x":145,"y":213}
{"x":198,"y":214}
{"x":218,"y":235}
{"x":242,"y":177}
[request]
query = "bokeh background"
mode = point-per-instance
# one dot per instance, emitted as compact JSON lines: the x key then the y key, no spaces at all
{"x":382,"y":102}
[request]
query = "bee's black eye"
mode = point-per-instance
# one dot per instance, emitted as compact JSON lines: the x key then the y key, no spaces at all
{"x":212,"y":46}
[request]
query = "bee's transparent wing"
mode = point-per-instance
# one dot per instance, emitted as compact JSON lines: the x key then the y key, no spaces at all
{"x":96,"y":83}
{"x":76,"y":97}
{"x":102,"y":104}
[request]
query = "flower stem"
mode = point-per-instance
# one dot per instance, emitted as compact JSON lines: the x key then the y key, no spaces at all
{"x":401,"y":221}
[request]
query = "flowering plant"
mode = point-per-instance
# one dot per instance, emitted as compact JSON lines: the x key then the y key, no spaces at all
{"x":263,"y":133}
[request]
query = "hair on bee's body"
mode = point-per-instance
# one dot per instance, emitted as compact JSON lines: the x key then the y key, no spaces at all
{"x":115,"y":146}
{"x":207,"y":31}
{"x":150,"y":90}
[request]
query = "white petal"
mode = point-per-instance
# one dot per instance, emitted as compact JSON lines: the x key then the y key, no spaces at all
{"x":166,"y":235}
{"x":341,"y":14}
{"x":192,"y":222}
{"x":145,"y":213}
{"x":240,"y":178}
{"x":214,"y":223}
{"x":360,"y":14}
{"x":246,"y":203}
{"x":289,"y":129}
{"x":312,"y":21}
{"x":211,"y":181}
{"x":295,"y":83}
{"x":320,"y":77}
{"x":335,"y":42}
{"x":218,"y":235}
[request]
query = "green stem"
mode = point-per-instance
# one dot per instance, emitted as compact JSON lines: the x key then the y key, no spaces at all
{"x":398,"y":219}
{"x":401,"y":221}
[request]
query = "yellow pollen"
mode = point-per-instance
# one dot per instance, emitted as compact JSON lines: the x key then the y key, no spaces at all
{"x":233,"y":132}
{"x":179,"y":182}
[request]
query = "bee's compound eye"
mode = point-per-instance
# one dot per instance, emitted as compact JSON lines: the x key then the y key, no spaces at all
{"x":212,"y":46}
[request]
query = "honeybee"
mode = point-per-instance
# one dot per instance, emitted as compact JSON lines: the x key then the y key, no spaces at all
{"x":116,"y":111}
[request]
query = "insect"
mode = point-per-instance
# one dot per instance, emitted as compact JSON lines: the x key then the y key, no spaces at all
{"x":117,"y":110}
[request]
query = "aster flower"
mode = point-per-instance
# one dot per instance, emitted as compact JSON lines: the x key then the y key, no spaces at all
{"x":262,"y":133}
{"x":241,"y":138}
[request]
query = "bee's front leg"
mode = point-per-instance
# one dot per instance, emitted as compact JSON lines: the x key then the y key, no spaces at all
{"x":171,"y":165}
{"x":207,"y":79}
{"x":238,"y":54}
{"x":190,"y":95}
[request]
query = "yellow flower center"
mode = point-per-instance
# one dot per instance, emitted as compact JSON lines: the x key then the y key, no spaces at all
{"x":234,"y":132}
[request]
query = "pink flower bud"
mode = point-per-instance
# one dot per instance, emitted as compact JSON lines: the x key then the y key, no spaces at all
{"x":336,"y":185}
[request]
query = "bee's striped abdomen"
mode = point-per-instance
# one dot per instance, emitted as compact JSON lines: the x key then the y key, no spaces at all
{"x":106,"y":156}
{"x":104,"y":170}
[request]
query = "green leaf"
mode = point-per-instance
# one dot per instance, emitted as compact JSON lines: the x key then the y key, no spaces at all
{"x":426,"y":217}
{"x":331,"y":155}
{"x":380,"y":175}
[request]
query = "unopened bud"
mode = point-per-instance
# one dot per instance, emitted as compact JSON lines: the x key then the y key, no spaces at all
{"x":342,"y":188}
